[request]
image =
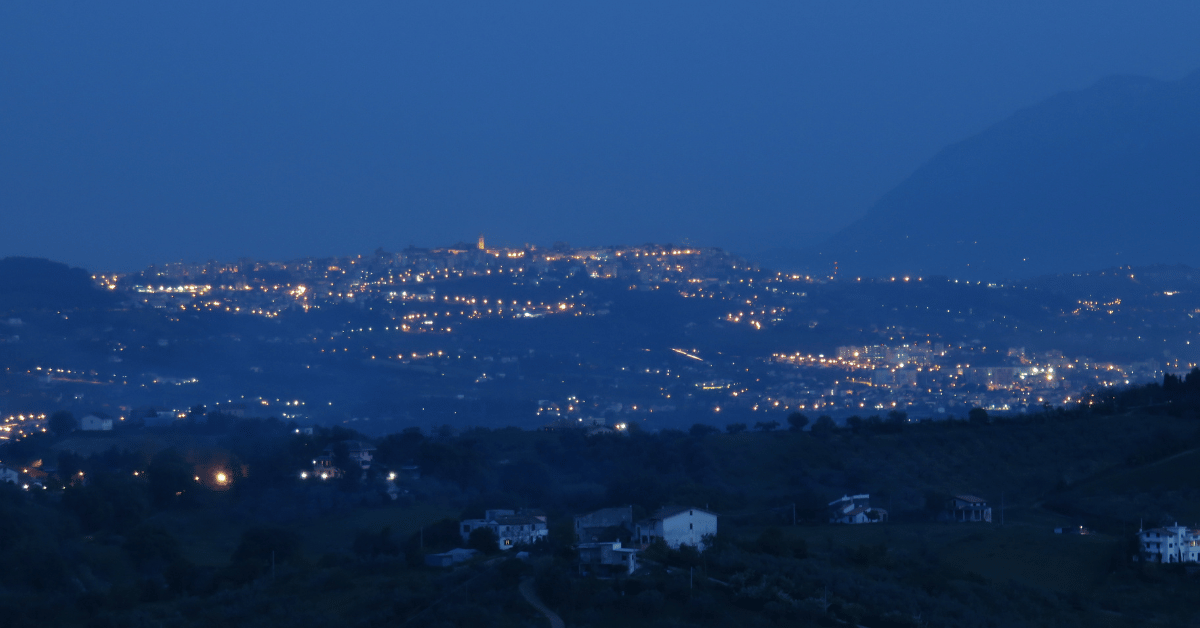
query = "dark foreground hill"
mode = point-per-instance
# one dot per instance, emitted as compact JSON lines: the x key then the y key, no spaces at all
{"x":1105,"y":176}
{"x":143,"y":533}
{"x":34,"y":283}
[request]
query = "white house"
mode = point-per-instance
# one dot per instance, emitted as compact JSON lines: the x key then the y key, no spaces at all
{"x":1170,"y":544}
{"x":511,"y":528}
{"x":608,"y":555}
{"x":95,"y":423}
{"x":358,"y":452}
{"x":677,"y":526}
{"x":855,"y":509}
{"x":8,"y":474}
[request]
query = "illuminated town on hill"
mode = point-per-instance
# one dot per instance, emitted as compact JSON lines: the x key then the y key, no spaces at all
{"x":653,"y":335}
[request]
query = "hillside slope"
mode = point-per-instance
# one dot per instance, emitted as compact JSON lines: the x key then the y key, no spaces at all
{"x":35,"y":283}
{"x":1105,"y":176}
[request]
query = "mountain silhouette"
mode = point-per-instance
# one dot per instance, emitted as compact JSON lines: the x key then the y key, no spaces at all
{"x":1104,"y":176}
{"x":29,"y":283}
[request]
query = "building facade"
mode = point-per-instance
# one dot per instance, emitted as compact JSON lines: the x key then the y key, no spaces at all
{"x":595,"y":526}
{"x":608,"y":556}
{"x":1170,"y":544}
{"x":968,"y":508}
{"x":677,"y":526}
{"x":95,"y":423}
{"x":855,"y":509}
{"x":511,"y":528}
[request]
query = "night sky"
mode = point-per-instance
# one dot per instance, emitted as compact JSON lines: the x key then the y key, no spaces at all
{"x":134,"y":133}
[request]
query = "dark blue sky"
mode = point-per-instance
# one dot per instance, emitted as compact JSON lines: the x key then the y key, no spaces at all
{"x":141,"y":132}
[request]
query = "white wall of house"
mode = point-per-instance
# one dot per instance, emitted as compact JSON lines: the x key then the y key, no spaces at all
{"x":1171,"y":544}
{"x":508,"y":534}
{"x":608,"y":553}
{"x":855,"y":509}
{"x":528,"y":533}
{"x":860,"y":517}
{"x":688,"y":527}
{"x":93,"y":423}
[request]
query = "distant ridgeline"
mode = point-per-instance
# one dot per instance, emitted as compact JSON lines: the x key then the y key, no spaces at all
{"x":1105,"y":176}
{"x":34,"y":283}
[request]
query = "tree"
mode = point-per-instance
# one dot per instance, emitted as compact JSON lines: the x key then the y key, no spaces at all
{"x":824,"y":425}
{"x":168,"y":476}
{"x":400,"y":449}
{"x":734,"y":428}
{"x":483,"y":539}
{"x":771,"y":542}
{"x":262,"y":547}
{"x":766,"y":426}
{"x":439,"y":535}
{"x":687,"y":555}
{"x":62,"y":423}
{"x":797,"y":422}
{"x":342,"y":460}
{"x":1192,"y":379}
{"x":977,"y":415}
{"x":368,"y":544}
{"x":701,"y":430}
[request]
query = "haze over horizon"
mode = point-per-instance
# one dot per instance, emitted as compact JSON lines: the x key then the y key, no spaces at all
{"x":145,"y":134}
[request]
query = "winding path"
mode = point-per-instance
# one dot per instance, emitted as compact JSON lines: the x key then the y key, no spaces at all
{"x":531,"y":596}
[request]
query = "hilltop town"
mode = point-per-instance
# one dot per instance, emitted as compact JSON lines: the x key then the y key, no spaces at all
{"x":655,"y":335}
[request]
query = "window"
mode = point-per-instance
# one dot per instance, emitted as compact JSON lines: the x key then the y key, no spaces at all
{"x":508,"y":541}
{"x":689,"y":526}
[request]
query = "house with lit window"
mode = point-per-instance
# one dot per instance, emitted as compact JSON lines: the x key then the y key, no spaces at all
{"x":855,"y":509}
{"x":511,"y":528}
{"x":323,"y":468}
{"x":676,"y":525}
{"x":1170,"y":544}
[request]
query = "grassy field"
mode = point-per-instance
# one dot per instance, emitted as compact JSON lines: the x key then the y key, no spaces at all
{"x":1033,"y":556}
{"x":1169,"y":487}
{"x":1028,"y":553}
